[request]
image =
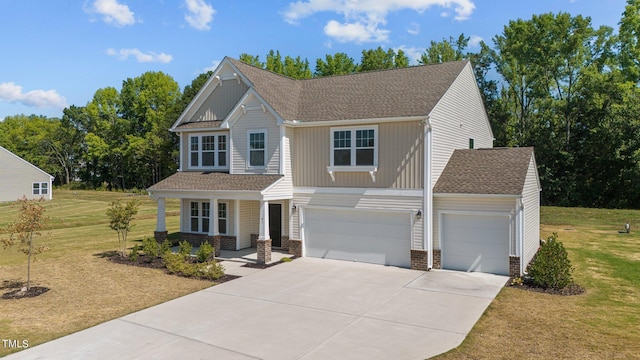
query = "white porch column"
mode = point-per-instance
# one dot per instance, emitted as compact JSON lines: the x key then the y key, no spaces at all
{"x":264,"y":221}
{"x":161,"y":224}
{"x":213,"y":217}
{"x":236,"y":222}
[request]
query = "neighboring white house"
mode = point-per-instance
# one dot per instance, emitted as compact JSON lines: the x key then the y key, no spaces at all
{"x":20,"y":178}
{"x":362,"y":167}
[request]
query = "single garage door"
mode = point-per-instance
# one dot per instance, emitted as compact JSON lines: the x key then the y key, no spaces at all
{"x":354,"y":235}
{"x":475,"y":243}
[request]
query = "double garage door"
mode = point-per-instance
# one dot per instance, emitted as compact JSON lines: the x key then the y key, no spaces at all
{"x":356,"y":235}
{"x":475,"y":243}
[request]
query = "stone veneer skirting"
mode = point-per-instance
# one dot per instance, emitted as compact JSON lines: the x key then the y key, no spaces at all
{"x":514,"y":266}
{"x":437,"y":259}
{"x":160,"y":235}
{"x":295,"y":247}
{"x":264,"y":251}
{"x":419,"y":260}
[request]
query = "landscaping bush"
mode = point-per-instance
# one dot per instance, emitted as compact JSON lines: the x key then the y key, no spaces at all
{"x":211,"y":270}
{"x":176,"y":264}
{"x":205,"y":252}
{"x":185,"y":249}
{"x":551,"y":267}
{"x":150,"y":248}
{"x":133,"y":256}
{"x":165,"y":247}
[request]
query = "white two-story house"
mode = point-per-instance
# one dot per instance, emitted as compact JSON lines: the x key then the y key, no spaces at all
{"x":394,"y":167}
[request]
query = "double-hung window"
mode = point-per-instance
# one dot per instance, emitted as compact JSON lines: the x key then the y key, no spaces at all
{"x":354,"y":147}
{"x":201,"y":213}
{"x":208,"y":151}
{"x":40,"y":188}
{"x":257,"y":141}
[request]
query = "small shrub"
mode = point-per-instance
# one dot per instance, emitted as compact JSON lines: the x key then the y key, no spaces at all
{"x":210,"y":270}
{"x":517,"y":281}
{"x":185,"y":249}
{"x":551,"y":267}
{"x":285,"y":259}
{"x":165,"y":247}
{"x":150,"y":248}
{"x":176,"y":264}
{"x":133,"y":256}
{"x":205,"y":252}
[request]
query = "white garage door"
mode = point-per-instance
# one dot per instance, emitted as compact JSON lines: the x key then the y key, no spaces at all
{"x":475,"y":243}
{"x":363,"y":236}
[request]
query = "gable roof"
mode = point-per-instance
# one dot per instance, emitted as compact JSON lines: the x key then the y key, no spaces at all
{"x":9,"y":153}
{"x":212,"y":181}
{"x":496,"y":171}
{"x":393,"y":93}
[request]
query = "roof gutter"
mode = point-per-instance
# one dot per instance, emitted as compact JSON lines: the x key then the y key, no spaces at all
{"x":313,"y":123}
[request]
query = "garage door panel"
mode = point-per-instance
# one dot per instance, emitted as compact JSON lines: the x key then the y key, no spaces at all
{"x":475,"y":243}
{"x":365,"y":236}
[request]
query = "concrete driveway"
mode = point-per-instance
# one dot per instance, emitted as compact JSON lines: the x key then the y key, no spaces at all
{"x":306,"y":309}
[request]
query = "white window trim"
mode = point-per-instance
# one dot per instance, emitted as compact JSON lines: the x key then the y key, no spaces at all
{"x":371,"y":169}
{"x":266,"y":148}
{"x":226,"y":227}
{"x":200,"y":217}
{"x":215,"y":152}
{"x":41,"y":185}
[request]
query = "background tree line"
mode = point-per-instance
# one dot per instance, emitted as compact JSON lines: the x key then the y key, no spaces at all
{"x":553,"y":81}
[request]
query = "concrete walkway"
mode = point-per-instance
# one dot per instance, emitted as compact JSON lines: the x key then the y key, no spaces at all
{"x":305,"y":309}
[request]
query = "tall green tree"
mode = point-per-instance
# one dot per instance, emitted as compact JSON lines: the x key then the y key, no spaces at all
{"x":445,"y":50}
{"x":379,"y":59}
{"x":629,"y":45}
{"x":337,"y":64}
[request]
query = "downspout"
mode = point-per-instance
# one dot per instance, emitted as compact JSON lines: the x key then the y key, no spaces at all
{"x":428,"y":192}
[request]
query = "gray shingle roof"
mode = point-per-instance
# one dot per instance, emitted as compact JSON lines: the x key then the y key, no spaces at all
{"x":403,"y":92}
{"x":498,"y":171}
{"x":211,"y":181}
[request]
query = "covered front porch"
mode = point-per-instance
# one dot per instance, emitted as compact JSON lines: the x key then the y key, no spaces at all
{"x":231,"y":212}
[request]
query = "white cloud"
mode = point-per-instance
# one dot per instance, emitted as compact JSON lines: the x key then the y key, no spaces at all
{"x":200,"y":14}
{"x":11,"y":92}
{"x":414,"y":28}
{"x":362,"y":19}
{"x":123,"y":54}
{"x":357,"y":32}
{"x":214,"y":65}
{"x":112,"y":12}
{"x":414,"y":53}
{"x":474,"y":41}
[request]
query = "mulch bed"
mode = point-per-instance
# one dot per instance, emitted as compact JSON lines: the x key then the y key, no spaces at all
{"x":569,"y":290}
{"x":154,"y":263}
{"x":20,"y":291}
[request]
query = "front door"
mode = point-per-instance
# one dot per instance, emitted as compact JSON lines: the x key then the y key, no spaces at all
{"x":275,"y":224}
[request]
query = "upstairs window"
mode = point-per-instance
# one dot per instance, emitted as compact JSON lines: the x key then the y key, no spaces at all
{"x":208,"y":151}
{"x":354,"y":146}
{"x":257,"y":148}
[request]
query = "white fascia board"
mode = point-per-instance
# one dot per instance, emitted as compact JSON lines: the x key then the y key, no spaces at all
{"x":415,"y":193}
{"x":28,"y":163}
{"x":481,"y":196}
{"x":206,"y":194}
{"x":297,"y":123}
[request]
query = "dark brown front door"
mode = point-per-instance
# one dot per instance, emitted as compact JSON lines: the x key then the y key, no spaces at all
{"x":275,"y":224}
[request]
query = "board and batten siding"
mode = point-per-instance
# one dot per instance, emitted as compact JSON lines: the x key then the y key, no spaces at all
{"x":219,"y":103}
{"x":17,"y":177}
{"x":458,"y":117}
{"x":362,"y":202}
{"x":255,"y":120}
{"x":531,"y":202}
{"x":249,"y":222}
{"x":400,"y":158}
{"x":471,"y":204}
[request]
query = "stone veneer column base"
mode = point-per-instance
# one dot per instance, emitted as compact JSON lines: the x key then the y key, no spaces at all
{"x":419,"y":260}
{"x":437,"y":259}
{"x":215,"y":242}
{"x":264,"y":251}
{"x":254,"y":240}
{"x":160,"y":235}
{"x":295,"y":247}
{"x":514,"y":266}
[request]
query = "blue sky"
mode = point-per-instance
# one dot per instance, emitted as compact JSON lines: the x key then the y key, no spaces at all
{"x":54,"y":54}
